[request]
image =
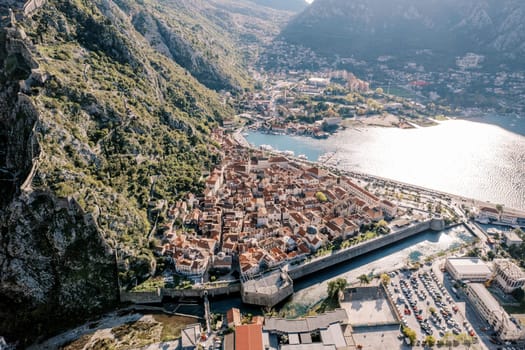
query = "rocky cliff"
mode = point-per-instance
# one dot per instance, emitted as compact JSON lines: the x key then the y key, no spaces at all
{"x":54,"y":264}
{"x":96,"y":123}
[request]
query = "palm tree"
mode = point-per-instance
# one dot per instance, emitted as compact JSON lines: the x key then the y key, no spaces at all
{"x":364,"y":279}
{"x":385,"y":279}
{"x":335,"y":287}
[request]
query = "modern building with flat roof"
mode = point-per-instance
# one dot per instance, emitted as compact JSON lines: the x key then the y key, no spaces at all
{"x":512,"y":238}
{"x":508,"y":275}
{"x":300,"y":332}
{"x":471,"y":269}
{"x":489,"y":308}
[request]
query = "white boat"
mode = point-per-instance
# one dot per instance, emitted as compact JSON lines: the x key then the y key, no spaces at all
{"x":266,"y":147}
{"x":493,"y":231}
{"x":302,"y":157}
{"x":288,"y":153}
{"x":483,"y":220}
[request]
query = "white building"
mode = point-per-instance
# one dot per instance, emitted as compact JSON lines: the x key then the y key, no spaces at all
{"x":512,"y":238}
{"x":489,"y":213}
{"x":509,"y":219}
{"x":262,"y":217}
{"x":489,"y":308}
{"x":389,"y":208}
{"x":471,"y":269}
{"x":508,"y":275}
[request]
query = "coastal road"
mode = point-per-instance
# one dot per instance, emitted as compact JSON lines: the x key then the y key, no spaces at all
{"x":474,"y":228}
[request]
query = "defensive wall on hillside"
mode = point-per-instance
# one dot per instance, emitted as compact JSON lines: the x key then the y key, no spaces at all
{"x":155,"y":297}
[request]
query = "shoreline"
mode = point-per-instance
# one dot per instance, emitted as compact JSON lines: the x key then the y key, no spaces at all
{"x":238,"y":137}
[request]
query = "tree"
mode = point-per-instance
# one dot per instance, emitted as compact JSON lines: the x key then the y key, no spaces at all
{"x":474,"y":252}
{"x":336,"y":286}
{"x":379,"y":91}
{"x":430,"y":340}
{"x":382,"y":227}
{"x":364,"y":279}
{"x":491,"y":255}
{"x":410,"y":334}
{"x":385,"y":278}
{"x":321,"y":197}
{"x":518,"y":294}
{"x":432,"y":310}
{"x":499,"y":208}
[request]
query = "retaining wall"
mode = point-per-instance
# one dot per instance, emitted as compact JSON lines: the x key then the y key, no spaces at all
{"x":295,"y":272}
{"x":352,"y":252}
{"x":141,"y":297}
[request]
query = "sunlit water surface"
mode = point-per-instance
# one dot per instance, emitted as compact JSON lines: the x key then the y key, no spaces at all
{"x":483,"y":160}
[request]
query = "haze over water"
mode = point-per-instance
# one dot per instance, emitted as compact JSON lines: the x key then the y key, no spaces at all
{"x":483,"y":160}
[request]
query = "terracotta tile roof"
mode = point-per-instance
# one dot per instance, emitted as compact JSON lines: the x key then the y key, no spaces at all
{"x":249,"y":337}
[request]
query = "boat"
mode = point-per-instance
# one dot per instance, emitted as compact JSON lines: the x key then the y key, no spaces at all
{"x":493,"y":231}
{"x":482,"y":220}
{"x":288,"y":153}
{"x":266,"y":147}
{"x":302,"y":157}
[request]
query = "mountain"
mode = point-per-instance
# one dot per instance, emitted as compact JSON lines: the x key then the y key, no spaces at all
{"x":368,"y":29}
{"x":106,"y":112}
{"x":285,"y":5}
{"x":208,"y":38}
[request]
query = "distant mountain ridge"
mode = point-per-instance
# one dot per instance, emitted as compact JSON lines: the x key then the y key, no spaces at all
{"x":370,"y":28}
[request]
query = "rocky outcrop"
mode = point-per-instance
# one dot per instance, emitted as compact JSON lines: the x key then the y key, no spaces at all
{"x":18,"y":116}
{"x":55,"y":267}
{"x":182,"y":51}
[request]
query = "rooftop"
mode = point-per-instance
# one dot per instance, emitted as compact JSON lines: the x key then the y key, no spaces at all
{"x":269,"y":284}
{"x":308,"y":324}
{"x":469,"y":265}
{"x":249,"y":337}
{"x":509,"y":268}
{"x":485,"y":297}
{"x":512,"y":236}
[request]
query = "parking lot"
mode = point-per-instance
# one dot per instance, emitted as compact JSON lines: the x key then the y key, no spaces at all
{"x":426,"y":307}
